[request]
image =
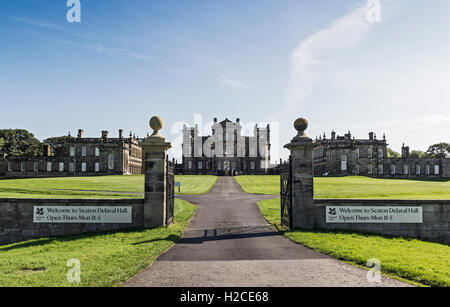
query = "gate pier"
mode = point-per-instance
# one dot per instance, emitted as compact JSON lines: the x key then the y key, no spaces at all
{"x":158,"y":202}
{"x":300,"y":179}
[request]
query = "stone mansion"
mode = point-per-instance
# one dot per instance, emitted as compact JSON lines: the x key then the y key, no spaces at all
{"x":79,"y":156}
{"x":346,"y":155}
{"x":226,"y":151}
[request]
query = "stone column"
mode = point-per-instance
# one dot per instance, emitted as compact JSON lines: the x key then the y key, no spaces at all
{"x":301,"y":148}
{"x":155,"y":147}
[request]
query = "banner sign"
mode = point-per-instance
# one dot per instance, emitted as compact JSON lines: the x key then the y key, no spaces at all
{"x":379,"y":215}
{"x":82,"y":214}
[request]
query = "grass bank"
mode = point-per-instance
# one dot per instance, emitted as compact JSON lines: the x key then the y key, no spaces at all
{"x":95,"y":187}
{"x":106,"y":259}
{"x":356,"y":187}
{"x":423,"y":262}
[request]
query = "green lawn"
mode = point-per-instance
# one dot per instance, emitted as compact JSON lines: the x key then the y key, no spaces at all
{"x":423,"y":262}
{"x":356,"y":187}
{"x":106,"y":259}
{"x":77,"y":187}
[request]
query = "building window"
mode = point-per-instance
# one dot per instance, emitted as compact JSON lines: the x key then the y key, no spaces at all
{"x":393,"y":171}
{"x":61,"y":167}
{"x":83,"y":151}
{"x":97,"y":152}
{"x":263,"y":164}
{"x":22,"y":166}
{"x":380,"y":169}
{"x":83,"y":167}
{"x":49,"y":166}
{"x":200,"y":151}
{"x":219,"y":165}
{"x":97,"y":167}
{"x":244,"y":165}
{"x":405,"y":169}
{"x":36,"y":167}
{"x":111,"y":161}
{"x":428,"y":169}
{"x":343,"y":162}
{"x":369,"y":153}
{"x":252,"y":165}
{"x":72,"y":151}
{"x":357,"y":168}
{"x":418,"y":169}
{"x":380,"y":153}
{"x":71,"y":167}
{"x":357,"y":152}
{"x":252,"y":151}
{"x":436,"y":170}
{"x":10,"y":168}
{"x":189,"y":164}
{"x":200,"y":164}
{"x":370,"y":169}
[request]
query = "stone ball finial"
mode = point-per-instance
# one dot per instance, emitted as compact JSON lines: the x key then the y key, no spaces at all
{"x":156,"y":123}
{"x":301,"y":125}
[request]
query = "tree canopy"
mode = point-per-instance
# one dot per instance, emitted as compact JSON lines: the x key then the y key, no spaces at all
{"x":440,"y":150}
{"x":417,"y":154}
{"x":59,"y":145}
{"x":392,"y":153}
{"x":19,"y":142}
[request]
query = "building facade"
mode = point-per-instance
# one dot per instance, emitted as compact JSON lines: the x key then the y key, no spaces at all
{"x":226,"y":151}
{"x":78,"y":156}
{"x":346,"y":155}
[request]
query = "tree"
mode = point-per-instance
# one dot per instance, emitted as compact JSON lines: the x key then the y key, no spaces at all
{"x":417,"y":154}
{"x":440,"y":150}
{"x":59,"y":145}
{"x":392,"y":153}
{"x":20,"y":143}
{"x":2,"y":142}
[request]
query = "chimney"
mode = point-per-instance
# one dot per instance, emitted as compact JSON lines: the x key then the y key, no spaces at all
{"x":80,"y":133}
{"x":120,"y":134}
{"x":238,"y":120}
{"x":104,"y":135}
{"x":371,"y":134}
{"x":333,"y":135}
{"x":47,"y":150}
{"x":215,"y":120}
{"x":405,"y":151}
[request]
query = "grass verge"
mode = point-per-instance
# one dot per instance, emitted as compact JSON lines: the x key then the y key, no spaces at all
{"x":107,"y":259}
{"x":418,"y":261}
{"x":354,"y":187}
{"x":95,"y":187}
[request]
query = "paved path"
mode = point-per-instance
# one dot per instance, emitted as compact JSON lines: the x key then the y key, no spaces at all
{"x":229,"y":244}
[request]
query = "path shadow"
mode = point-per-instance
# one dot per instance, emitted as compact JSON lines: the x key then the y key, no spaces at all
{"x":219,"y":234}
{"x":172,"y":238}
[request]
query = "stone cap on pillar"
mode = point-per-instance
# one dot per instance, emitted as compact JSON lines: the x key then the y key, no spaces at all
{"x":156,"y":140}
{"x":301,"y":138}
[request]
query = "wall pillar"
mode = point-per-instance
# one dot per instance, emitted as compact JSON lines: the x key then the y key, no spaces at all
{"x":155,"y":169}
{"x":302,"y":180}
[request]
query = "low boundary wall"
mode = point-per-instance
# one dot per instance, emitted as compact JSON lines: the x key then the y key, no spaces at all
{"x":17,"y":218}
{"x":435,"y":226}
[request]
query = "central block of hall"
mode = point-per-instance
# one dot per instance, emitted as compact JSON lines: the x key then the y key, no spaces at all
{"x":302,"y":181}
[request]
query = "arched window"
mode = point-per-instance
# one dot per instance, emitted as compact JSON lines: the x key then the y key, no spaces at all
{"x":343,"y":162}
{"x":111,"y":161}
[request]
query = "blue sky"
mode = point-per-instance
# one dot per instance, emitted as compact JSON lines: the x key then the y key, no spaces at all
{"x":261,"y":61}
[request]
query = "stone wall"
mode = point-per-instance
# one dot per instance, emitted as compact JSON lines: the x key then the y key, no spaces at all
{"x":16,"y":218}
{"x":435,"y":226}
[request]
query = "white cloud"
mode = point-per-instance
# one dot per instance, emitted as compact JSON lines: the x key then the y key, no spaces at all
{"x":342,"y":34}
{"x":233,"y":83}
{"x":38,"y":23}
